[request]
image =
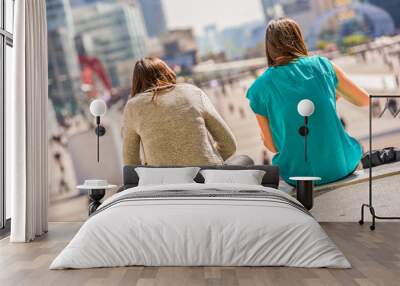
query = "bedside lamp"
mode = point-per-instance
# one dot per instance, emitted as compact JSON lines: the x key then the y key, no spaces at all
{"x":305,"y":185}
{"x":98,"y":108}
{"x":305,"y":108}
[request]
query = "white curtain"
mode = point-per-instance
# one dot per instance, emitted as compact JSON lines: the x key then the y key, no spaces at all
{"x":26,"y":117}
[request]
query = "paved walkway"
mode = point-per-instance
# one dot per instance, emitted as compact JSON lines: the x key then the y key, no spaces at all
{"x":343,"y":204}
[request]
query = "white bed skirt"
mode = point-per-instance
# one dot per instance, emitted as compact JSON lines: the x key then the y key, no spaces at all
{"x":200,"y":232}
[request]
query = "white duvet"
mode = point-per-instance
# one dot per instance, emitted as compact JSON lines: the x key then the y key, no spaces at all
{"x":190,"y":231}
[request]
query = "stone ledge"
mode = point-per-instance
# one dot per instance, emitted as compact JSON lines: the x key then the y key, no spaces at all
{"x":361,"y":176}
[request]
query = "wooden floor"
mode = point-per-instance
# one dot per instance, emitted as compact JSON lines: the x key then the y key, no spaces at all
{"x":375,"y":257}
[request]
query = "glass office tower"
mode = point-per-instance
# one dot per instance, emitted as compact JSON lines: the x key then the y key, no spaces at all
{"x":114,"y":34}
{"x":64,"y":80}
{"x":154,"y":17}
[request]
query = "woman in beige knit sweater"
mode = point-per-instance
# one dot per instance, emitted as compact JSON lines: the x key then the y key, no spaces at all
{"x":175,"y":124}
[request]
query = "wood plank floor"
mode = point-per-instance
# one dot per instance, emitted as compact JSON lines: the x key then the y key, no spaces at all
{"x":375,"y":257}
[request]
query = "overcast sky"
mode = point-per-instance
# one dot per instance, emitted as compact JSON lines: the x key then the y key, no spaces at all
{"x":199,"y":13}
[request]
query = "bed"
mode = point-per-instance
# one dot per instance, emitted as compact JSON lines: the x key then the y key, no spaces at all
{"x":198,"y":224}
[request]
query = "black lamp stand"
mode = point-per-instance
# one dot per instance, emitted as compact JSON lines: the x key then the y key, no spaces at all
{"x":100,"y":131}
{"x":305,"y":185}
{"x":303,"y":130}
{"x":305,"y":193}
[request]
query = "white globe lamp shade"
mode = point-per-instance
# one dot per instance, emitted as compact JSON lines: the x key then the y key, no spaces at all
{"x":305,"y":108}
{"x":98,"y":107}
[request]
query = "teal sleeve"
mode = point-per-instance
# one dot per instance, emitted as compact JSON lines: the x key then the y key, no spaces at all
{"x":257,"y":101}
{"x":329,"y":69}
{"x":335,"y":79}
{"x":333,"y":73}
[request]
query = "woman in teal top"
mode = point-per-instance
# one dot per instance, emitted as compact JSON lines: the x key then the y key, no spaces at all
{"x":291,"y":77}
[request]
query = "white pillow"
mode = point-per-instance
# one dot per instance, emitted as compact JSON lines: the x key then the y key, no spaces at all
{"x":247,"y":177}
{"x":166,"y":176}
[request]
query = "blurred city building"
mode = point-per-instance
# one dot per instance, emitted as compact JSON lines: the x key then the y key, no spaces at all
{"x":272,"y":9}
{"x":180,"y":49}
{"x":390,"y":6}
{"x":210,"y":43}
{"x":331,"y":21}
{"x":62,"y":61}
{"x":243,"y":41}
{"x":154,"y":17}
{"x":302,"y":11}
{"x":76,"y":3}
{"x":237,"y":40}
{"x":350,"y":23}
{"x":155,"y":48}
{"x":114,"y":34}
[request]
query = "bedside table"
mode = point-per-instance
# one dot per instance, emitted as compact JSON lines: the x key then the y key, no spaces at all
{"x":305,"y":190}
{"x":95,"y":193}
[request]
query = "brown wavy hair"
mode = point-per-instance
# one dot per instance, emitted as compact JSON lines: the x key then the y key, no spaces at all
{"x":284,"y":42}
{"x":152,"y":75}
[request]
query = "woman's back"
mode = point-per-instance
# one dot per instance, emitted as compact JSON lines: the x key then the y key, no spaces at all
{"x":332,"y":153}
{"x":175,"y":128}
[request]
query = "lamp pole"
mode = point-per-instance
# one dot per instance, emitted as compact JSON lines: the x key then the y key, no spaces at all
{"x":98,"y":138}
{"x":98,"y":108}
{"x":305,"y":108}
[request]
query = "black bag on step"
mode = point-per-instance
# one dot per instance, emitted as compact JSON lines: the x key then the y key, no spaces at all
{"x":380,"y":157}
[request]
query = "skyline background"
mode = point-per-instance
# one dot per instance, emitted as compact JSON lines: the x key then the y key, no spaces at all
{"x":217,"y":45}
{"x":222,"y":13}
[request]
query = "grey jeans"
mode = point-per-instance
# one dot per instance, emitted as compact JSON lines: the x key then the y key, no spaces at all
{"x":241,"y":160}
